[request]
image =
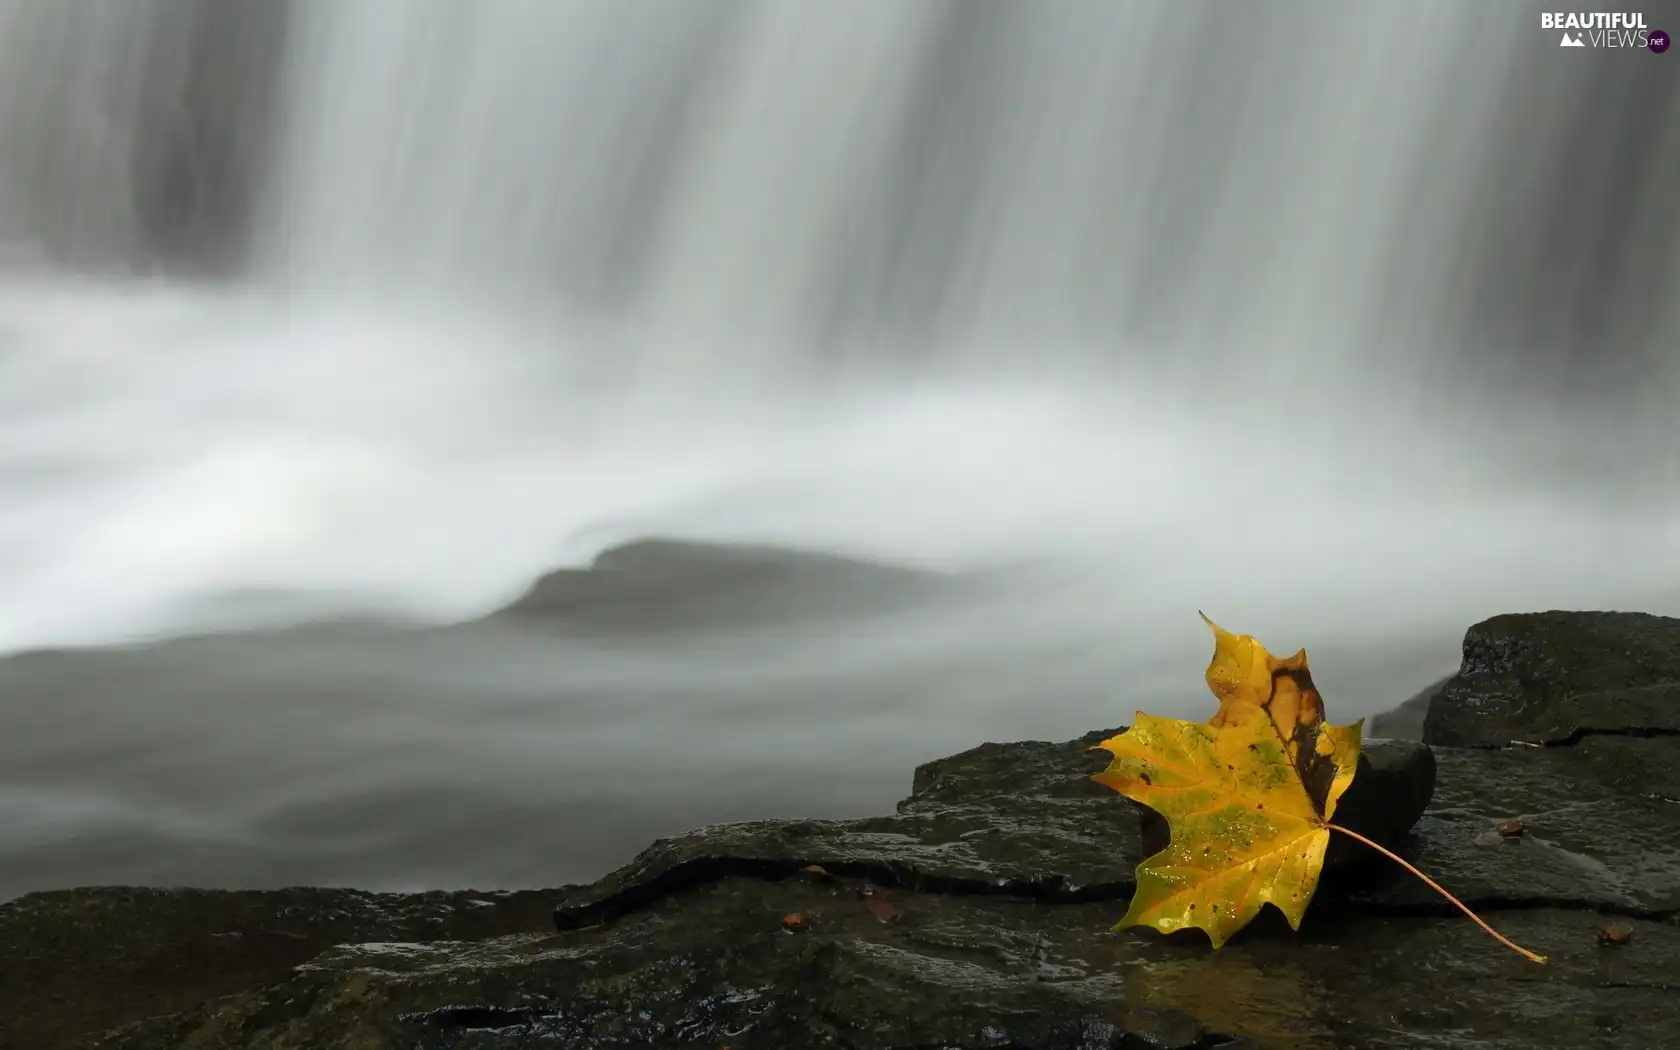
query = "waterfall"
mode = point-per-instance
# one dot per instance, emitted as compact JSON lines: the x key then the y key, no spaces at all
{"x":478,"y":148}
{"x":957,"y":280}
{"x":71,"y":114}
{"x":132,"y":134}
{"x":764,"y":187}
{"x":773,"y":189}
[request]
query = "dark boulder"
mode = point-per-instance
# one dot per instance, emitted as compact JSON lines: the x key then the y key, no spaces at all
{"x":1550,"y":678}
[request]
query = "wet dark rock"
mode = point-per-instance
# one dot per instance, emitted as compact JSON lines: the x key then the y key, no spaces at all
{"x":1552,"y":677}
{"x":75,"y":962}
{"x":1024,"y":819}
{"x":658,"y":583}
{"x":976,"y":916}
{"x":1587,"y":842}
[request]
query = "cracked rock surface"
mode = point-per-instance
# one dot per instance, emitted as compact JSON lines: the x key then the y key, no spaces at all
{"x":978,"y":915}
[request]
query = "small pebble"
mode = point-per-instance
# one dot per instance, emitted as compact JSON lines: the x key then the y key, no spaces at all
{"x":1616,"y":933}
{"x":881,"y":909}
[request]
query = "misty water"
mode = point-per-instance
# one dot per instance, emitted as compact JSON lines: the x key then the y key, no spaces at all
{"x":322,"y":319}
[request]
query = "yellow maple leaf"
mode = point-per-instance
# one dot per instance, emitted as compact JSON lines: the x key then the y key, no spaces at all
{"x":1248,"y":796}
{"x":1245,"y":832}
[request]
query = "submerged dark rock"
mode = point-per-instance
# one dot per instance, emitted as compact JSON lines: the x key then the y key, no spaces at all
{"x":671,"y":584}
{"x":1405,"y":720}
{"x":976,"y":916}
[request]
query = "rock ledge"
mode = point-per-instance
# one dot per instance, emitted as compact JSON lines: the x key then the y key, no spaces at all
{"x":977,"y":915}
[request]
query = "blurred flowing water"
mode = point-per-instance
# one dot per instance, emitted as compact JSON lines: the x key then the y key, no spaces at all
{"x":1348,"y":323}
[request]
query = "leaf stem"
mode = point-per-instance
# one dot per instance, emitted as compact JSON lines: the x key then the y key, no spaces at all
{"x":1396,"y":858}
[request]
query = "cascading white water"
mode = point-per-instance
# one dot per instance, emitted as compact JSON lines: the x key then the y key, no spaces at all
{"x":768,"y":185}
{"x":70,"y":112}
{"x":909,"y":279}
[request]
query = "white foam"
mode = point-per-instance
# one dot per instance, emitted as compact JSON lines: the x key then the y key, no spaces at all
{"x":161,"y":446}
